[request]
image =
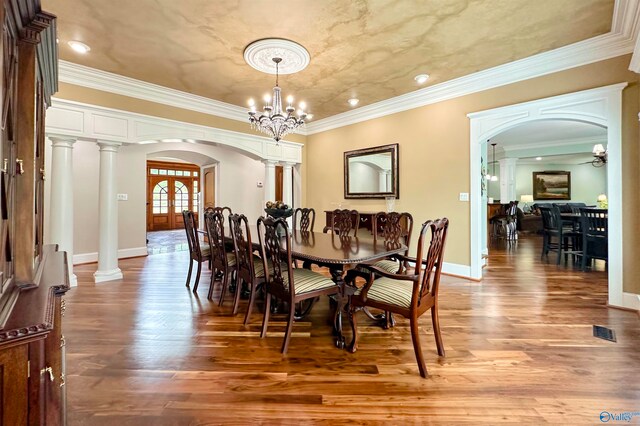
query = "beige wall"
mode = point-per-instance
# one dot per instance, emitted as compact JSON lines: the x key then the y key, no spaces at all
{"x":434,"y":155}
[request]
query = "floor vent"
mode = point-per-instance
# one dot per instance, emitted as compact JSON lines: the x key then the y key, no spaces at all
{"x":604,"y":333}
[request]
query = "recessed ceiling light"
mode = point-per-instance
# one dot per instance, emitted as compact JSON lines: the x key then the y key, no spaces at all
{"x":309,"y":116}
{"x":538,"y":158}
{"x":353,"y":101}
{"x":79,"y":47}
{"x":421,"y":78}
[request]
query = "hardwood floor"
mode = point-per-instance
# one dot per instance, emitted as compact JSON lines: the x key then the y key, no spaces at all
{"x":519,"y":346}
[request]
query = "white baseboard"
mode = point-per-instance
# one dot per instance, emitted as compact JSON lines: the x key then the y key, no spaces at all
{"x":463,"y":271}
{"x":122,"y":254}
{"x":631,"y":301}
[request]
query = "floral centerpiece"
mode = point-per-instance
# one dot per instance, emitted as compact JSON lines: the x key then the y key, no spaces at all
{"x":278,"y":209}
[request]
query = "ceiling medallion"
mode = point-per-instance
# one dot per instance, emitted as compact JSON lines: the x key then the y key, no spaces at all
{"x":274,"y":56}
{"x":260,"y":54}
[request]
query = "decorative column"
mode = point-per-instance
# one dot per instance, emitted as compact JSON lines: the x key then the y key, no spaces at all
{"x":269,"y":180}
{"x":61,"y":198}
{"x":287,"y":183}
{"x":287,"y":186}
{"x":508,"y":179}
{"x":108,"y":215}
{"x":382,"y":181}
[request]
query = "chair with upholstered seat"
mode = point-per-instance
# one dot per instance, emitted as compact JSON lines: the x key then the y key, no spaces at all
{"x":291,"y":285}
{"x":221,"y":261}
{"x":343,"y":222}
{"x":304,"y":219}
{"x":249,"y":268}
{"x":198,"y":251}
{"x":392,"y":229}
{"x":409,"y":294}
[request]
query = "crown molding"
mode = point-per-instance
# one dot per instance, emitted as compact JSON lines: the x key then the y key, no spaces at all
{"x":93,"y":78}
{"x":621,"y":40}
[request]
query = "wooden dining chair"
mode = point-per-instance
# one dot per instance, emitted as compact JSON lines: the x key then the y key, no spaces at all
{"x":409,"y":295}
{"x":393,"y":230}
{"x":557,"y":235}
{"x":595,"y":235}
{"x":343,"y":222}
{"x":304,"y":219}
{"x":292,"y":285}
{"x":249,"y":268}
{"x":221,"y":261}
{"x":198,"y":252}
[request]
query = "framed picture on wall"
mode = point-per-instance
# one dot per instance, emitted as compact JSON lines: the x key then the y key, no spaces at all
{"x":554,"y":185}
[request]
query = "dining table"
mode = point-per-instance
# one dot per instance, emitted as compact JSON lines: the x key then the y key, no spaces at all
{"x":338,"y":254}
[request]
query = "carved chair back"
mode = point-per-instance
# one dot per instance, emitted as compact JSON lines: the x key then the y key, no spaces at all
{"x":393,"y":228}
{"x":241,"y":235}
{"x":343,"y":221}
{"x":191,"y":227}
{"x":226,"y":211}
{"x":431,"y":258}
{"x":277,"y":260}
{"x":214,"y":223}
{"x":306,"y":218}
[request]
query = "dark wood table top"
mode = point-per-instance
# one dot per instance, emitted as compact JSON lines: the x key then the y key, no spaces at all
{"x":330,"y":249}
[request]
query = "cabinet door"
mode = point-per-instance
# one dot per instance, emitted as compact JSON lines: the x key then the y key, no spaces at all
{"x":53,"y":358}
{"x":13,"y":386}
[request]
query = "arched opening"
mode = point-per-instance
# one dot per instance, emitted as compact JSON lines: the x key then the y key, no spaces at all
{"x":598,"y":107}
{"x":176,"y":181}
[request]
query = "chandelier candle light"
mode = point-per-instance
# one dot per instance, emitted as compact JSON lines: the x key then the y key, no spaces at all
{"x":275,"y":121}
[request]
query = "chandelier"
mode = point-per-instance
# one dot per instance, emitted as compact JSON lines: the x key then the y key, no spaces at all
{"x":493,"y":178}
{"x":273,"y":120}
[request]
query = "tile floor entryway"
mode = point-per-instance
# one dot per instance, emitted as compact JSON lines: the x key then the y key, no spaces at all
{"x":167,"y":241}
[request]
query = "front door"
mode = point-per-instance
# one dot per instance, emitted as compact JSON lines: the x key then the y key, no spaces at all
{"x":168,"y":197}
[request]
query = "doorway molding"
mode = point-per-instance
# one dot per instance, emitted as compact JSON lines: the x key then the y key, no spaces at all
{"x":601,"y":106}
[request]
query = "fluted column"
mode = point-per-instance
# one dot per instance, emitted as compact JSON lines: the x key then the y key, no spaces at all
{"x":61,"y":198}
{"x":108,"y":214}
{"x":269,"y":180}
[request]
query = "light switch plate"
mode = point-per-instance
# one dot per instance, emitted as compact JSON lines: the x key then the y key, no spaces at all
{"x":123,"y":197}
{"x":464,"y":196}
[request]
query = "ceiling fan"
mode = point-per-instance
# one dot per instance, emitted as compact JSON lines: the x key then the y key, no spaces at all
{"x":600,"y":156}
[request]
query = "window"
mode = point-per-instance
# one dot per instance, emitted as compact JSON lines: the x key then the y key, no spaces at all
{"x":153,"y":171}
{"x":196,"y":196}
{"x":181,"y":197}
{"x":161,"y":198}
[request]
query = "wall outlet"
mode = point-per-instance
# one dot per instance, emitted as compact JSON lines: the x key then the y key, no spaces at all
{"x":464,"y":196}
{"x":259,"y":184}
{"x":122,"y":197}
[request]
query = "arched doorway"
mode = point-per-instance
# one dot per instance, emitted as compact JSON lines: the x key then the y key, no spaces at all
{"x":600,"y":106}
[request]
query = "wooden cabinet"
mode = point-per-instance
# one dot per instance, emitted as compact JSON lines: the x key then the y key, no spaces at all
{"x":366,"y":220}
{"x":33,"y":277}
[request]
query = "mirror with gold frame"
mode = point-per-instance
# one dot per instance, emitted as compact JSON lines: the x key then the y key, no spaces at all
{"x":372,"y":172}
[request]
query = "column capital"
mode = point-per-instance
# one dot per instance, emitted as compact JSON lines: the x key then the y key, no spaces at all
{"x":287,"y":164}
{"x":270,"y":163}
{"x":109,"y":146}
{"x":508,"y":161}
{"x":62,"y":141}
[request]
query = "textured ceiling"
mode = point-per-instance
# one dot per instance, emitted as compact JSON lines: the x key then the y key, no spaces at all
{"x":370,"y":49}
